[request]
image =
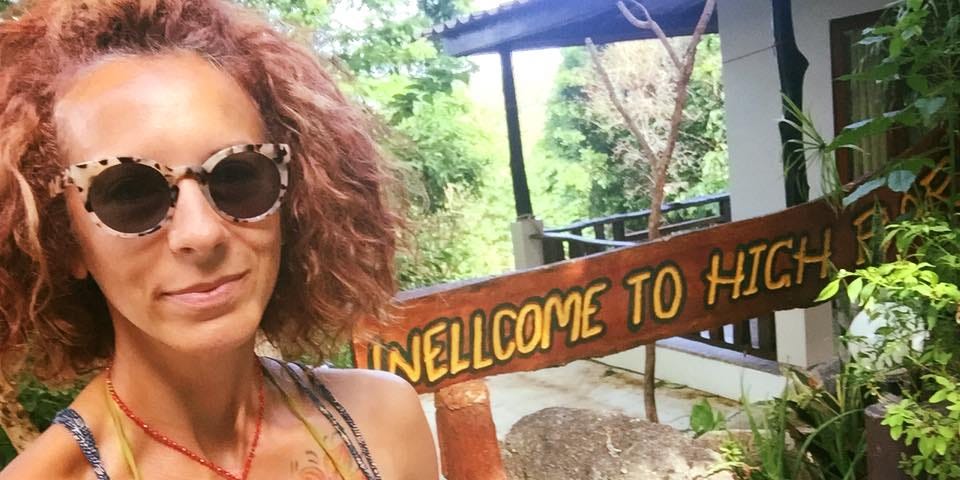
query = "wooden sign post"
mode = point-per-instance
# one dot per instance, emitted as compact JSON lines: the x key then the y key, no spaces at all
{"x":610,"y":302}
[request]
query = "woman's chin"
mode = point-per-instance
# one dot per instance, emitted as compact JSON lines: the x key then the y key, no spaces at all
{"x":220,"y":335}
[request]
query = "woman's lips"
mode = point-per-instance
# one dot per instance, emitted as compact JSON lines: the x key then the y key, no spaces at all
{"x":208,"y":294}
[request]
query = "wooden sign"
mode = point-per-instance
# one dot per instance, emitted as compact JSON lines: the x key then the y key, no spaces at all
{"x":613,"y":301}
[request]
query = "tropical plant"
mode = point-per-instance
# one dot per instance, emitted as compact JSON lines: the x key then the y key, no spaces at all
{"x":913,"y":302}
{"x":813,"y":430}
{"x":911,"y":299}
{"x":704,"y":418}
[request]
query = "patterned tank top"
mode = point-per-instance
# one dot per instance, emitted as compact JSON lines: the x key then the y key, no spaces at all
{"x":345,"y":450}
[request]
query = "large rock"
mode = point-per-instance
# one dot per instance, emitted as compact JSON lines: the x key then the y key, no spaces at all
{"x":578,"y":444}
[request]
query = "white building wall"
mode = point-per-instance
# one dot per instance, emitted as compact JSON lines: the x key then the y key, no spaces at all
{"x":752,"y":90}
{"x":753,"y":109}
{"x":751,"y":81}
{"x":752,"y":95}
{"x":812,"y":25}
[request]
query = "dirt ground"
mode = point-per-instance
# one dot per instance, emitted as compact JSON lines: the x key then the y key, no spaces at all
{"x":586,"y":384}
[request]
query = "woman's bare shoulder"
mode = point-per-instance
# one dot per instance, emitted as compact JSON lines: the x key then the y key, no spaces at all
{"x":388,"y":413}
{"x":351,"y":379}
{"x":54,"y":454}
{"x":380,"y":397}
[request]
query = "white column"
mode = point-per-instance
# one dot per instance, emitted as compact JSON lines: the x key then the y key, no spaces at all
{"x":805,"y":336}
{"x":753,"y":109}
{"x":527,"y":251}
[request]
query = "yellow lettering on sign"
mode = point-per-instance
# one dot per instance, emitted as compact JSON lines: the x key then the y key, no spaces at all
{"x":672,"y":272}
{"x":716,"y":278}
{"x":503,"y":351}
{"x":431,"y":351}
{"x":634,"y":283}
{"x":528,"y":334}
{"x":865,"y":230}
{"x":803,"y":257}
{"x":376,"y":355}
{"x":755,"y":253}
{"x":457,"y":364}
{"x":590,"y":307}
{"x":564,"y":312}
{"x":479,"y":360}
{"x":784,"y":279}
{"x":408,"y":361}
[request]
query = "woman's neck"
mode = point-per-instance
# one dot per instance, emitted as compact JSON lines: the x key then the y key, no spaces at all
{"x":207,"y":402}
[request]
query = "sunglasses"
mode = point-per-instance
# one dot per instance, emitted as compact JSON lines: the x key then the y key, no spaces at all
{"x":133,"y":197}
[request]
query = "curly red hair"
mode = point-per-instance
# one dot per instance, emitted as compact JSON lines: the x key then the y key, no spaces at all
{"x":339,"y":232}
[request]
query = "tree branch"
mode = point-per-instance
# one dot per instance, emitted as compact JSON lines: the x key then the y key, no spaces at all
{"x":650,"y":24}
{"x":690,"y":58}
{"x":659,"y":164}
{"x":615,"y":100}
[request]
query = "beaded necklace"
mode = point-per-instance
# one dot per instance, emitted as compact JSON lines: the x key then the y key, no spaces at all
{"x":170,"y":443}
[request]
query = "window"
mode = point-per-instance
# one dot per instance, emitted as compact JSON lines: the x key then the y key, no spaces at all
{"x":855,"y":100}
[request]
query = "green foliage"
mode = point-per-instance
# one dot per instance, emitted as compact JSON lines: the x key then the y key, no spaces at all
{"x":807,"y":432}
{"x":916,"y":293}
{"x":911,"y":298}
{"x":933,"y":430}
{"x":41,"y":403}
{"x":919,"y":43}
{"x":593,"y":170}
{"x":586,"y":174}
{"x":402,"y":78}
{"x":293,"y":12}
{"x":7,"y":452}
{"x":921,"y":282}
{"x":703,"y":418}
{"x":419,"y":95}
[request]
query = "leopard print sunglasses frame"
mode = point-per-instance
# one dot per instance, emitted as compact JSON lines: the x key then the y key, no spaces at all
{"x":82,"y":175}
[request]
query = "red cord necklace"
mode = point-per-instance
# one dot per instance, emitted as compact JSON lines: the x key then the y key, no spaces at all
{"x":163,"y":439}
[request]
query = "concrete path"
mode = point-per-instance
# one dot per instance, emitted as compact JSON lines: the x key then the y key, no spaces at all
{"x":585,"y":384}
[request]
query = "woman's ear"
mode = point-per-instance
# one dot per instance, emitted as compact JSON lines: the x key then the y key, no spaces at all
{"x":78,"y":268}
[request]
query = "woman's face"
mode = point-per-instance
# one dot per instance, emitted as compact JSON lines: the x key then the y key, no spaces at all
{"x":201,"y":282}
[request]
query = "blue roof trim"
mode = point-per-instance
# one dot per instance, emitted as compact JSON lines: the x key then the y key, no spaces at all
{"x":533,"y":24}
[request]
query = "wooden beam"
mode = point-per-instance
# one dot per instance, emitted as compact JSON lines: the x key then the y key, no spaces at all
{"x":564,"y":23}
{"x":497,"y":31}
{"x":792,"y":66}
{"x":521,"y":191}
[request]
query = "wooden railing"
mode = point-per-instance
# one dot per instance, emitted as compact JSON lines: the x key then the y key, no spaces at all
{"x":755,"y":336}
{"x":614,"y":231}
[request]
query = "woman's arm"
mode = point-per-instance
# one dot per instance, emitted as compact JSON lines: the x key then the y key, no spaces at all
{"x":54,"y":454}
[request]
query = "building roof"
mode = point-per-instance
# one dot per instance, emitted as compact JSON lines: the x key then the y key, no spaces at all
{"x":534,"y":24}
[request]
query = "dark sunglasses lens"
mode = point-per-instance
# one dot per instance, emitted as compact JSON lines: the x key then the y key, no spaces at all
{"x":245,"y":185}
{"x":130,"y":197}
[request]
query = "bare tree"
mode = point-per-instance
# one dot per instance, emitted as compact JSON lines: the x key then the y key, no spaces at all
{"x":660,"y":158}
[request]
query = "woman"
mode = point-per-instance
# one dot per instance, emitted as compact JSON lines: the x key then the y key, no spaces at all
{"x":175,"y":177}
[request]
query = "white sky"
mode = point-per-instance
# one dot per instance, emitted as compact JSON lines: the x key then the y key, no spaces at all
{"x":533,"y":73}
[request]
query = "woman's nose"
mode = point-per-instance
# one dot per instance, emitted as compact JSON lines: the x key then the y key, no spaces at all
{"x":196,"y":228}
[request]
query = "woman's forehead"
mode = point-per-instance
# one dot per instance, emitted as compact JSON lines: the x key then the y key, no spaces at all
{"x":167,"y":107}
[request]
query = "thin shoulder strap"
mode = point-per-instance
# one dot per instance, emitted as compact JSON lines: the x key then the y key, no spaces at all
{"x":328,"y":395}
{"x":365,"y":462}
{"x":73,"y":422}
